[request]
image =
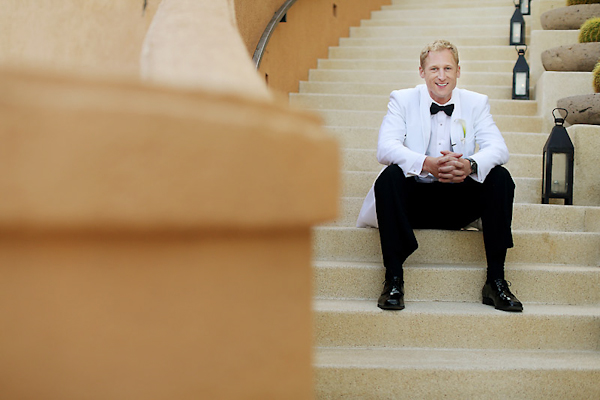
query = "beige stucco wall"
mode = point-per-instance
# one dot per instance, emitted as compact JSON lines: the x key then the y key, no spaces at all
{"x":252,"y":18}
{"x":173,"y":316}
{"x":92,"y":37}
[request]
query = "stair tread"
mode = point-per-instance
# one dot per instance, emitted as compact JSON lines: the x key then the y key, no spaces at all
{"x":452,"y":359}
{"x":459,"y":282}
{"x":453,"y":308}
{"x":453,"y":232}
{"x":509,"y":266}
{"x":456,"y":324}
{"x":531,"y":246}
{"x":546,"y":217}
{"x":375,"y":131}
{"x":493,"y":91}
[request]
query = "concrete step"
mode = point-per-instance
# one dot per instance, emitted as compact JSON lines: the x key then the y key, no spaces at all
{"x":463,"y":18}
{"x":378,"y":37}
{"x":411,"y":78}
{"x":411,"y":65}
{"x":317,"y":101}
{"x":358,"y":183}
{"x":459,"y":247}
{"x":450,"y":3}
{"x":494,"y":92}
{"x":502,"y":53}
{"x":525,"y":142}
{"x":372,"y":119}
{"x":400,"y":373}
{"x":390,"y":32}
{"x":366,"y":138}
{"x":456,"y":325}
{"x":491,"y":21}
{"x":355,"y":137}
{"x":536,"y":217}
{"x":531,"y":283}
{"x":452,"y":8}
{"x":526,"y":165}
{"x":441,"y":3}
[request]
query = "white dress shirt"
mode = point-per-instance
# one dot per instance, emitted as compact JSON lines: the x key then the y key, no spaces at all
{"x":439,"y":140}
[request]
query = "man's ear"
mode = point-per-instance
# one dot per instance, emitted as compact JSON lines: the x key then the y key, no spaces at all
{"x":458,"y":72}
{"x":421,"y":72}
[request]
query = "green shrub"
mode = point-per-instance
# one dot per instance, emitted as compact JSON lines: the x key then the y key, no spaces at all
{"x":590,"y":31}
{"x":575,"y":2}
{"x":596,"y":75}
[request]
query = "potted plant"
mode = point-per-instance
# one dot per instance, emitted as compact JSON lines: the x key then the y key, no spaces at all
{"x":584,"y":109}
{"x":581,"y":56}
{"x":572,"y":16}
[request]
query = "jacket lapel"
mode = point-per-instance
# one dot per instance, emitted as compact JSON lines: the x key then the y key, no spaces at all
{"x":425,"y":117}
{"x":457,"y":130}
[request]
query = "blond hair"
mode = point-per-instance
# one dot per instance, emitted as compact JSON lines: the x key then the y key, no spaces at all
{"x":439,"y":45}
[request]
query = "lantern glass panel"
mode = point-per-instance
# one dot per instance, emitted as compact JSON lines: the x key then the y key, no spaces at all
{"x":516,"y":32}
{"x":524,"y":7}
{"x":559,"y":173}
{"x":521,"y":83}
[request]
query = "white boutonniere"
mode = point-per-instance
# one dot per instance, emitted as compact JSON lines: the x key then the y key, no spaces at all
{"x":463,"y":123}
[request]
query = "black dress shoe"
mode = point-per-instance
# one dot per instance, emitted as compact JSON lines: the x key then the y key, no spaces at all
{"x":498,"y":294}
{"x":392,"y":297}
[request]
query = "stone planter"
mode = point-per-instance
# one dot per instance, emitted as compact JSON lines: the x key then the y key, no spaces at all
{"x":570,"y":17}
{"x":579,"y":57}
{"x":583,"y":109}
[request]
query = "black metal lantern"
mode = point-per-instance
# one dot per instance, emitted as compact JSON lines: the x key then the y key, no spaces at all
{"x":520,"y":85}
{"x":517,"y":27}
{"x":525,"y":7}
{"x":559,"y":156}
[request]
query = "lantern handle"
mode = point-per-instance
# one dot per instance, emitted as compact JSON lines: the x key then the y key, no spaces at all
{"x":520,"y":49}
{"x":517,"y":3}
{"x":560,"y":121}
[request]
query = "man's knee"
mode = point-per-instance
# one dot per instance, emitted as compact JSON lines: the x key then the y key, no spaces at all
{"x":500,"y":175}
{"x":392,"y":174}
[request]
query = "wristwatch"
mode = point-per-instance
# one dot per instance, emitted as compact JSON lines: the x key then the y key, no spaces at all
{"x":473,"y":165}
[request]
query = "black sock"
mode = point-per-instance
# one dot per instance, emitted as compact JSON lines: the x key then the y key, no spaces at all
{"x":389,"y":274}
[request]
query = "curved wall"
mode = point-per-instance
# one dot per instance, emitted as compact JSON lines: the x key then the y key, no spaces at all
{"x":252,"y":18}
{"x":95,"y":37}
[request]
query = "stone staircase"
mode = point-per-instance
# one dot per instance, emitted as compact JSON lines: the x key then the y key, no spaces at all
{"x":446,"y":344}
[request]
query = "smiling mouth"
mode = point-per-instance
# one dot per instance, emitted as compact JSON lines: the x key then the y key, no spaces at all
{"x":442,"y":84}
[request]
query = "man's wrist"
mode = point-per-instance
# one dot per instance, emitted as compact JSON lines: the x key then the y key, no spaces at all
{"x":472,"y":165}
{"x":425,"y":167}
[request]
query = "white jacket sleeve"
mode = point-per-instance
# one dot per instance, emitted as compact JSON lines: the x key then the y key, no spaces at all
{"x":391,"y":147}
{"x":492,"y":148}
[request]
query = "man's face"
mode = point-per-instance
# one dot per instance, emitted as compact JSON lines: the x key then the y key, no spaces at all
{"x":440,"y":74}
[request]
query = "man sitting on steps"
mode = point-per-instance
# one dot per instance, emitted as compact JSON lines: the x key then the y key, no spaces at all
{"x":434,"y":179}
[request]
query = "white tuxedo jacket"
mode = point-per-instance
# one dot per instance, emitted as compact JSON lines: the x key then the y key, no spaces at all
{"x":406,"y":129}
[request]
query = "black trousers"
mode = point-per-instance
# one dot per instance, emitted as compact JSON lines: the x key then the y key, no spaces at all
{"x":403,"y":204}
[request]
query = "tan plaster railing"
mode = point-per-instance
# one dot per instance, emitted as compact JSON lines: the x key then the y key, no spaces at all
{"x":264,"y":39}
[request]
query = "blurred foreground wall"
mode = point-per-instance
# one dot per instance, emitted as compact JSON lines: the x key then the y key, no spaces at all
{"x":156,"y":207}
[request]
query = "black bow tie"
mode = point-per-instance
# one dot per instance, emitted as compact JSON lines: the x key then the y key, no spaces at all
{"x":436,"y":108}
